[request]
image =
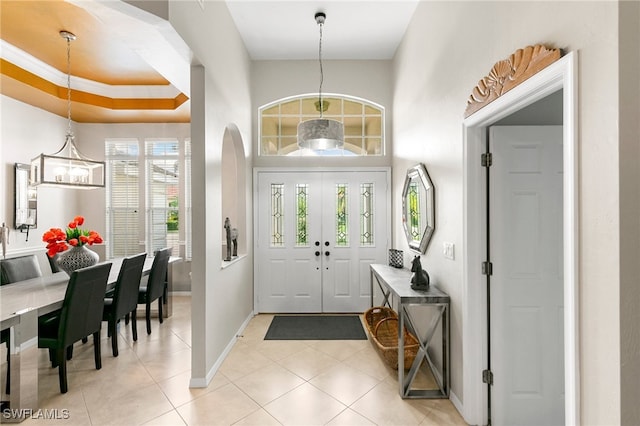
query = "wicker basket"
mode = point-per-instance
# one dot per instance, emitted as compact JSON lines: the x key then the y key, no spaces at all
{"x":385,"y":337}
{"x":376,"y":314}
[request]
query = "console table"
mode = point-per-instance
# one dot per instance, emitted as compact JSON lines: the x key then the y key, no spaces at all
{"x":397,"y":282}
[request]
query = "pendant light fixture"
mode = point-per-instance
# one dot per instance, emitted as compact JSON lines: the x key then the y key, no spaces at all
{"x":321,"y":133}
{"x":68,"y":167}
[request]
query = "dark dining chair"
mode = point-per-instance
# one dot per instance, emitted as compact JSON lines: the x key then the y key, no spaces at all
{"x":80,"y":316}
{"x":156,"y":285}
{"x":13,"y":270}
{"x":125,"y":298}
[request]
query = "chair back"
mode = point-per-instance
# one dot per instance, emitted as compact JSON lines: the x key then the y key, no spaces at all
{"x":19,"y":268}
{"x":125,"y":296}
{"x":81,"y":313}
{"x":158,"y":274}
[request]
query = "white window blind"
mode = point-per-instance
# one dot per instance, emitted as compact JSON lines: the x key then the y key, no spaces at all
{"x":123,"y":197}
{"x":163,"y":195}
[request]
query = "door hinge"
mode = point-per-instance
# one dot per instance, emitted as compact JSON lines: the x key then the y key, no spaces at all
{"x":487,"y":377}
{"x":486,"y":159}
{"x":487,"y":268}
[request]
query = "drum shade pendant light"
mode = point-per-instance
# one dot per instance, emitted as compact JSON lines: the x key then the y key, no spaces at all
{"x":68,"y":167}
{"x":320,"y":133}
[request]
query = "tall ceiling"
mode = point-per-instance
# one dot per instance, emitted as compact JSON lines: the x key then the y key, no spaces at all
{"x":121,"y":72}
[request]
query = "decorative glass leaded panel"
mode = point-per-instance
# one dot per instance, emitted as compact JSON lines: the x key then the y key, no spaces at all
{"x":342,"y":215}
{"x":277,"y":214}
{"x":414,"y":211}
{"x":302,"y":198}
{"x":366,"y":214}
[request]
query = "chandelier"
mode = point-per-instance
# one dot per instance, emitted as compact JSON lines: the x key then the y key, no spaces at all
{"x":68,"y":167}
{"x":320,"y":133}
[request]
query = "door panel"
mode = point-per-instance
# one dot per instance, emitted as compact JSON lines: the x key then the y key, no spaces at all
{"x":344,"y":217}
{"x":526,"y":286}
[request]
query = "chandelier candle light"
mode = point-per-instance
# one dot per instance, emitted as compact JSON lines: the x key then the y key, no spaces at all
{"x":320,"y":133}
{"x":68,"y":167}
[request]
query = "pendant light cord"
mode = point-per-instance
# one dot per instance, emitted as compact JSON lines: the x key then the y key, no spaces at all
{"x":321,"y":71}
{"x":68,"y":85}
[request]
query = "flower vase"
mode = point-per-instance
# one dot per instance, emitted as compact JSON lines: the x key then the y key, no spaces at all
{"x":76,"y":258}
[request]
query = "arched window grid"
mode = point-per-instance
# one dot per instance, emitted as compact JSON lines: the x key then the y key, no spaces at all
{"x":363,"y":123}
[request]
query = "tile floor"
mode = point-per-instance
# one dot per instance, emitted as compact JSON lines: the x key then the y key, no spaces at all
{"x":260,"y":383}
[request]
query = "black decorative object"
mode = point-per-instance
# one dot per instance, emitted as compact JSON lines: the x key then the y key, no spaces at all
{"x":396,"y":258}
{"x":420,"y":278}
{"x":227,"y":228}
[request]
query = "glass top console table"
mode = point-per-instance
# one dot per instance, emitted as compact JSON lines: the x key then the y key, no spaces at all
{"x":395,"y":285}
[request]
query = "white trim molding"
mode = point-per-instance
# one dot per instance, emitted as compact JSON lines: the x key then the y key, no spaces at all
{"x":561,"y":75}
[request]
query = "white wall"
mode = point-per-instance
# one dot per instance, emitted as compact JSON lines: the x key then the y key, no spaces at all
{"x":273,"y":80}
{"x":447,"y":49}
{"x":26,"y":132}
{"x":222,"y":299}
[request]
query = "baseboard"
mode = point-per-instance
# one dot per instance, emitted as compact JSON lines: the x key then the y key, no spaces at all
{"x":456,"y":403}
{"x":204,"y":382}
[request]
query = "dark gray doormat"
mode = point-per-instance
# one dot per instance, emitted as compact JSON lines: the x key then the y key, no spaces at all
{"x":315,"y":327}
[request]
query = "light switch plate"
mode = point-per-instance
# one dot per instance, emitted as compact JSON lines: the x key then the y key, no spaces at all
{"x":448,"y":250}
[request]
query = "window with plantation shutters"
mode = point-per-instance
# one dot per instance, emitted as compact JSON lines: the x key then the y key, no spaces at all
{"x":163,"y":194}
{"x":123,"y":198}
{"x":148,"y":196}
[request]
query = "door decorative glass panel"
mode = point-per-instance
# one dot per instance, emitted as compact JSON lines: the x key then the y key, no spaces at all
{"x":366,"y":214}
{"x":277,"y":215}
{"x":342,"y":215}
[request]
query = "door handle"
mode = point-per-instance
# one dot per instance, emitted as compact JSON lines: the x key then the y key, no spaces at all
{"x":317,"y":253}
{"x":327,"y":253}
{"x":326,"y":243}
{"x":317,"y":243}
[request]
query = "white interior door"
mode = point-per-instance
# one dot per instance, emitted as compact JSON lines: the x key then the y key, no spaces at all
{"x":317,"y":233}
{"x":527,"y":355}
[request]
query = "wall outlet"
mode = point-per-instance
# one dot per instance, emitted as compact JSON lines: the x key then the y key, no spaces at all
{"x":448,"y":250}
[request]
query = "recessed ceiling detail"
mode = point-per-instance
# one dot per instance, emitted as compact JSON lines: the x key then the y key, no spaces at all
{"x":111,"y":82}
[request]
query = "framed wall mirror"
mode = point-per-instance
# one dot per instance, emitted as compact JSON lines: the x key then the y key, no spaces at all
{"x":418,"y":208}
{"x":25,"y":199}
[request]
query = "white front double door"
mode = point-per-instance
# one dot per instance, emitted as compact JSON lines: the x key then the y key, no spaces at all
{"x":317,"y":233}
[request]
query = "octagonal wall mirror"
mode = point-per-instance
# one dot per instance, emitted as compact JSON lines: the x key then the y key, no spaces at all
{"x":418,"y":208}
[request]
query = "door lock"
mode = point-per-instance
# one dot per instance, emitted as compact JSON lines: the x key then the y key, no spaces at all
{"x":317,"y":243}
{"x":326,"y":243}
{"x":327,"y":253}
{"x":317,"y":253}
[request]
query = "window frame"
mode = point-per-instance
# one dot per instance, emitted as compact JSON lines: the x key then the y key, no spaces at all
{"x":301,"y":115}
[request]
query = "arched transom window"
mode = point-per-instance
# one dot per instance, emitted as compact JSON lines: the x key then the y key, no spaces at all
{"x":363,"y":124}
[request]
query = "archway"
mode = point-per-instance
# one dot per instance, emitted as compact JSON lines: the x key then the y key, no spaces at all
{"x":234,"y":203}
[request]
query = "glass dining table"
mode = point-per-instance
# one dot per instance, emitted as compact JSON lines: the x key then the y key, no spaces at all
{"x":21,"y":304}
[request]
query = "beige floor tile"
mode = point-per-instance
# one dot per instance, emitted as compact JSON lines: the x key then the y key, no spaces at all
{"x":368,"y":361}
{"x":172,"y":418}
{"x":384,"y":406}
{"x":279,"y":349}
{"x":133,"y":408}
{"x":258,"y":418}
{"x":166,"y":365}
{"x":340,"y":349}
{"x":308,"y":363}
{"x":350,"y":418}
{"x":296,"y":382}
{"x":344,"y":383}
{"x":305,"y":405}
{"x":223,"y":406}
{"x":178,"y":391}
{"x":268,"y":383}
{"x":242,"y":360}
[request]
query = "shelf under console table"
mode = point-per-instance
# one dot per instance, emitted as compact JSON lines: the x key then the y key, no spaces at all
{"x":397,"y":283}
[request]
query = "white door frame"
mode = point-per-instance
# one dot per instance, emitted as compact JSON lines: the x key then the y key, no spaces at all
{"x":257,"y":170}
{"x":562,"y":74}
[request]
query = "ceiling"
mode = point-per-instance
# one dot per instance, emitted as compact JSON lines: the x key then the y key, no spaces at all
{"x":122,"y":72}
